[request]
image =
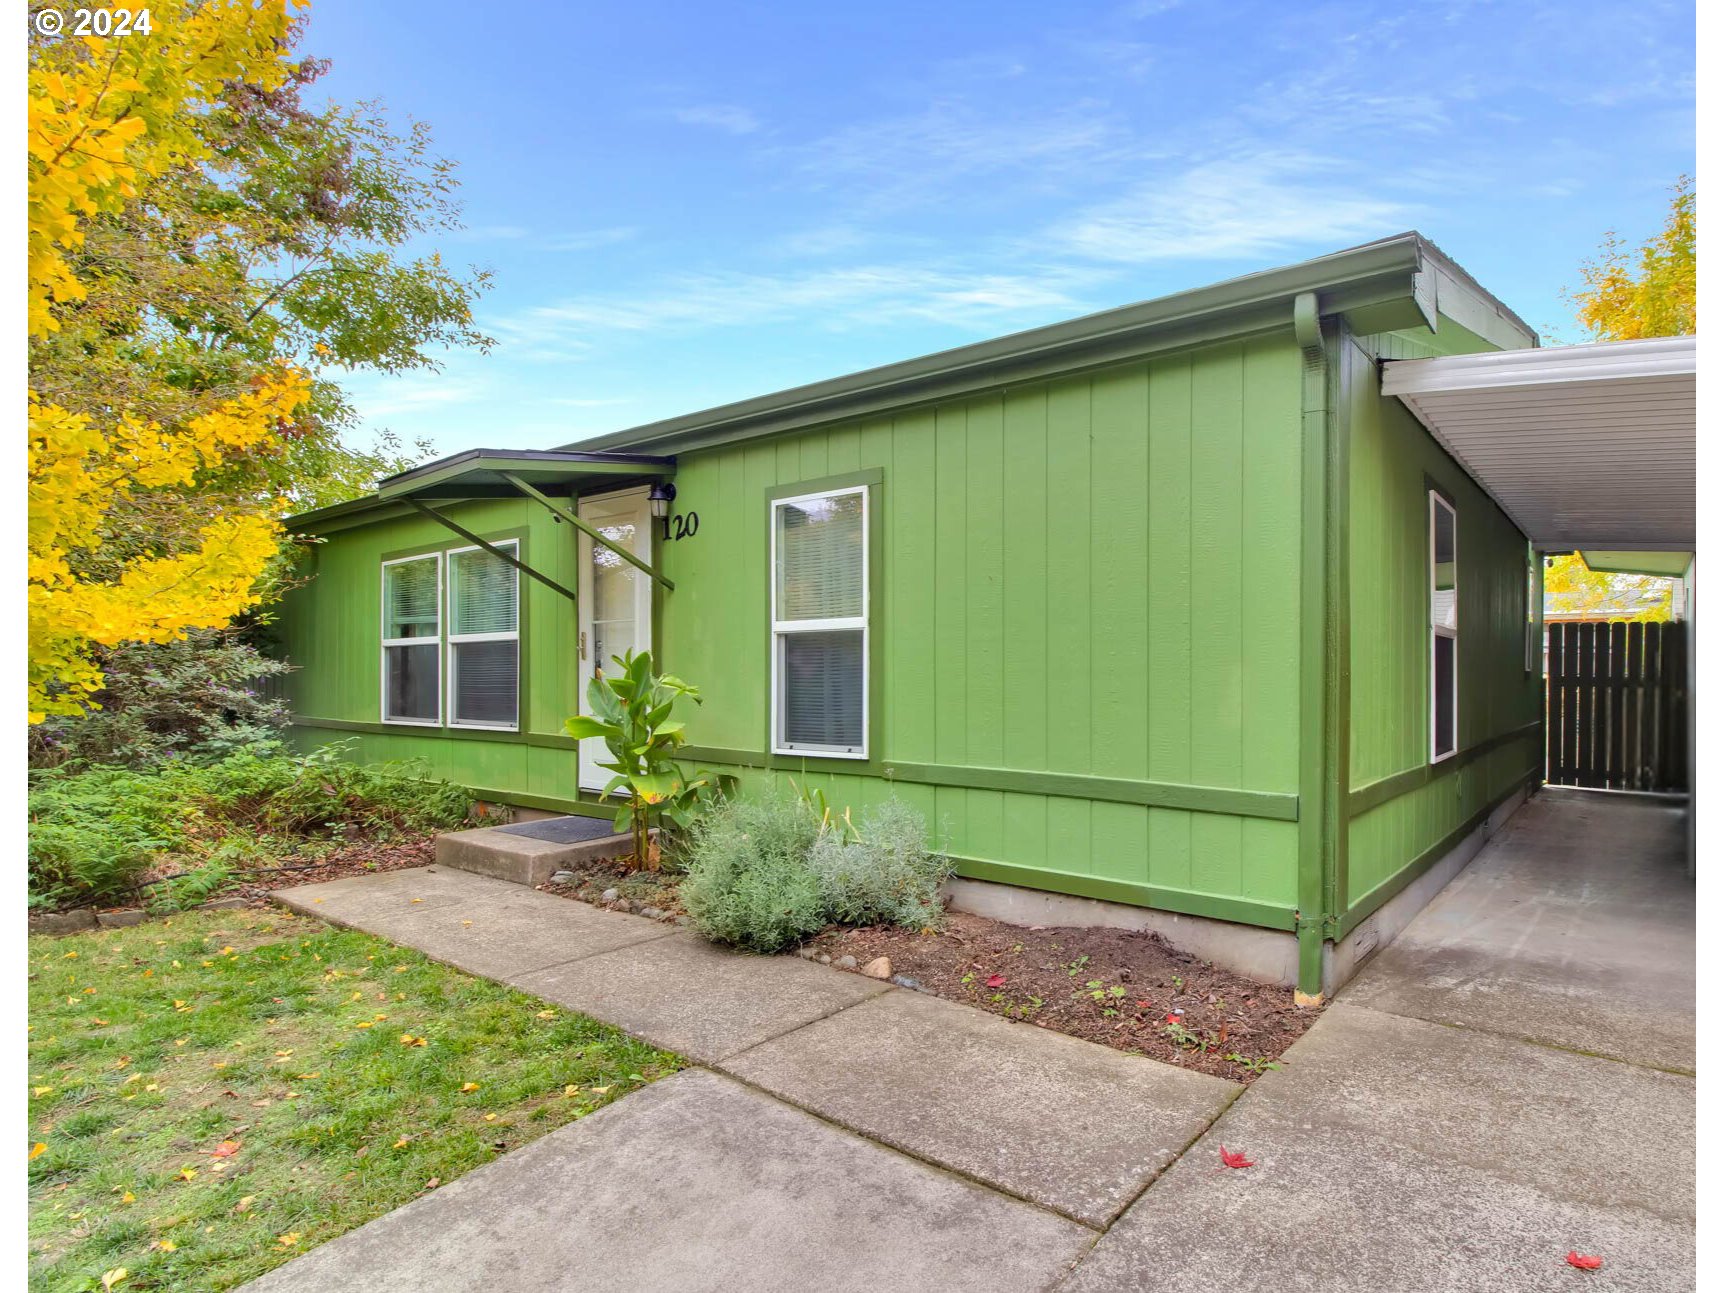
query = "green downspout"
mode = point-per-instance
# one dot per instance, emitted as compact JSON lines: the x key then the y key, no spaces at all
{"x":1320,"y":802}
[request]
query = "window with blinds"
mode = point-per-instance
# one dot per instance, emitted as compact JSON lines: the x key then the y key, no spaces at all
{"x":820,"y":624}
{"x":1445,"y":625}
{"x":484,"y":639}
{"x":412,"y":639}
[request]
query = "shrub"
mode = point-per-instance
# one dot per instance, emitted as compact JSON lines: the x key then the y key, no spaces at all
{"x":95,"y":833}
{"x":199,"y":698}
{"x":749,"y":883}
{"x":880,"y":872}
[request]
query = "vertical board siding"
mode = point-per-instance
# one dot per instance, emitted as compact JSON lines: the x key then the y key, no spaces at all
{"x":1092,"y":575}
{"x":1095,"y":574}
{"x":1394,"y":460}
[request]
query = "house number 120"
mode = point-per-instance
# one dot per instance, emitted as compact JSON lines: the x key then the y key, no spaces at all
{"x":681,"y":526}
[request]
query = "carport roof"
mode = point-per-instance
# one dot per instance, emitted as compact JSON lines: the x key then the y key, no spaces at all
{"x":1586,"y":446}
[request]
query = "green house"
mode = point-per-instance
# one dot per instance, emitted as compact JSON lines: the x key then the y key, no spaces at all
{"x":1165,"y":617}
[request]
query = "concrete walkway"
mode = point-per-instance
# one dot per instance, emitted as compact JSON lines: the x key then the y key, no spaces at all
{"x":1491,"y":1092}
{"x":851,"y":1135}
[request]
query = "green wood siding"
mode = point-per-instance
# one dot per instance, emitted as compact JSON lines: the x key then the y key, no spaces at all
{"x":1094,"y":577}
{"x":1402,"y":806}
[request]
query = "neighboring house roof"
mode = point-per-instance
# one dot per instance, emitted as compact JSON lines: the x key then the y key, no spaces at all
{"x":1394,"y":283}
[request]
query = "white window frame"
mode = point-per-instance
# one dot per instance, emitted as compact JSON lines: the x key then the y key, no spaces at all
{"x":453,"y":639}
{"x":783,"y":628}
{"x":383,"y":651}
{"x":1436,"y":500}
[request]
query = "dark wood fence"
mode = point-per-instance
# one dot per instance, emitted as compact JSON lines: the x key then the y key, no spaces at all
{"x":1616,"y":706}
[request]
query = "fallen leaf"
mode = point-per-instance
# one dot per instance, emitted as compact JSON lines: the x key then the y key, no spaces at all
{"x":41,"y":1090}
{"x":571,"y":1089}
{"x":187,"y":1173}
{"x":1584,"y":1261}
{"x":115,"y":1277}
{"x":490,"y":1117}
{"x":227,"y":1149}
{"x":469,"y":1086}
{"x":289,"y":1239}
{"x":36,"y":1149}
{"x":1231,"y":1159}
{"x":546,"y":1014}
{"x":244,"y":1205}
{"x":128,"y":1197}
{"x":400,"y":1144}
{"x":165,"y":1245}
{"x":996,"y":980}
{"x":433,"y":1183}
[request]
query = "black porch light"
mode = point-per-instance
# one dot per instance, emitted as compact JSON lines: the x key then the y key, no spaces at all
{"x":662,"y":495}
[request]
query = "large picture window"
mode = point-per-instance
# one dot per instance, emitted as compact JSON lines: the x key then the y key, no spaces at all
{"x":412,"y":639}
{"x":1445,"y":625}
{"x":484,"y":639}
{"x":820,"y":624}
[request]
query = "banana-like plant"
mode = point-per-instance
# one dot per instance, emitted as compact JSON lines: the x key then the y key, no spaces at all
{"x":632,"y":713}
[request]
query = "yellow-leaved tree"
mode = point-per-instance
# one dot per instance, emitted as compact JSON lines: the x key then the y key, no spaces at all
{"x":105,"y":115}
{"x":1571,"y":587}
{"x":1651,"y":292}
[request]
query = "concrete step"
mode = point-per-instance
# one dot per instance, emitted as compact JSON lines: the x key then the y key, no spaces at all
{"x":530,"y":852}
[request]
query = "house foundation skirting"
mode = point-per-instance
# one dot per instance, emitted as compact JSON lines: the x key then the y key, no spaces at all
{"x":1270,"y":955}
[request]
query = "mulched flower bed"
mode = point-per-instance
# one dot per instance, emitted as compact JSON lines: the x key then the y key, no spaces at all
{"x":352,"y":859}
{"x":1127,"y":990}
{"x":1122,"y":989}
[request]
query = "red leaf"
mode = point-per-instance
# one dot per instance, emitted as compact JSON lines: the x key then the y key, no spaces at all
{"x":1229,"y":1158}
{"x":996,"y":980}
{"x":1583,"y":1261}
{"x":1173,"y":1019}
{"x":227,"y":1149}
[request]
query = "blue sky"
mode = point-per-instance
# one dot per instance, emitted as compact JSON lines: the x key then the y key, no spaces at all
{"x":689,"y":204}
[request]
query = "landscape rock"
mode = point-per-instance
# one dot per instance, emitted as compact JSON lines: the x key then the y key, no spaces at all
{"x":609,"y":895}
{"x":879,"y":968}
{"x":121,"y":919}
{"x":824,"y":959}
{"x":562,"y":877}
{"x":806,"y":953}
{"x":905,"y":981}
{"x":652,"y":913}
{"x":843,"y":962}
{"x":63,"y":922}
{"x":222,"y":904}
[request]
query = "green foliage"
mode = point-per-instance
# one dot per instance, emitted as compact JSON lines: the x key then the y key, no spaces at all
{"x":95,"y":833}
{"x":634,"y":713}
{"x":749,"y":883}
{"x":201,"y":698}
{"x":880,"y":872}
{"x":766,"y":874}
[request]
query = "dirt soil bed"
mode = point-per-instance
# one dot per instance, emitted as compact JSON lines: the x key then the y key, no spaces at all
{"x":353,"y":859}
{"x":1123,"y":989}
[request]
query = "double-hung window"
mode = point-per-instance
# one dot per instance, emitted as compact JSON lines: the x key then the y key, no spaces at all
{"x":1445,"y":625}
{"x":820,"y":624}
{"x":412,"y":639}
{"x":484,"y":639}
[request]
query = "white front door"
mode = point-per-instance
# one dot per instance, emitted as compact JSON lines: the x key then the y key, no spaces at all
{"x":616,"y":601}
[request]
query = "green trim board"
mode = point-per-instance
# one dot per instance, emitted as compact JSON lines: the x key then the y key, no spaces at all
{"x":591,"y":807}
{"x":1368,"y":902}
{"x":544,"y":740}
{"x":1379,"y":792}
{"x":1152,"y":794}
{"x":1244,"y":911}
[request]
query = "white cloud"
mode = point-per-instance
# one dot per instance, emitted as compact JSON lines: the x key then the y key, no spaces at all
{"x":1244,"y":207}
{"x":588,"y":239}
{"x":719,"y":116}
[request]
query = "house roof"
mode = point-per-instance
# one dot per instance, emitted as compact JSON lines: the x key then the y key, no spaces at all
{"x":1587,"y":446}
{"x":1398,"y":282}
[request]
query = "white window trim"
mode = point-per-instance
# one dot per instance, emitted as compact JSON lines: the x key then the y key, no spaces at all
{"x":1436,"y":500}
{"x":383,"y":651}
{"x":782,"y":628}
{"x":455,"y":639}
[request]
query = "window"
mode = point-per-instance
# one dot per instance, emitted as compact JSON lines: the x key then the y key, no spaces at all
{"x":820,"y":624}
{"x":412,"y":639}
{"x":484,"y":639}
{"x":1444,"y":626}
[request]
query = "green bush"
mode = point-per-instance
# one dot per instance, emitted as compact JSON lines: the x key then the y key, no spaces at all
{"x":881,"y":872}
{"x":96,"y":833}
{"x":749,"y":883}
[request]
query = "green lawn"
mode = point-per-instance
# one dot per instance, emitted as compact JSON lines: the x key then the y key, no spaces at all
{"x":351,"y":1075}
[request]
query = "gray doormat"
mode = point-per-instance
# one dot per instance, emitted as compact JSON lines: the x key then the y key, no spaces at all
{"x":563,"y":830}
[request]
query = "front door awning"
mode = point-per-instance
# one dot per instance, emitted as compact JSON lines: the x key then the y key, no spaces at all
{"x":551,"y":478}
{"x":1583,"y":446}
